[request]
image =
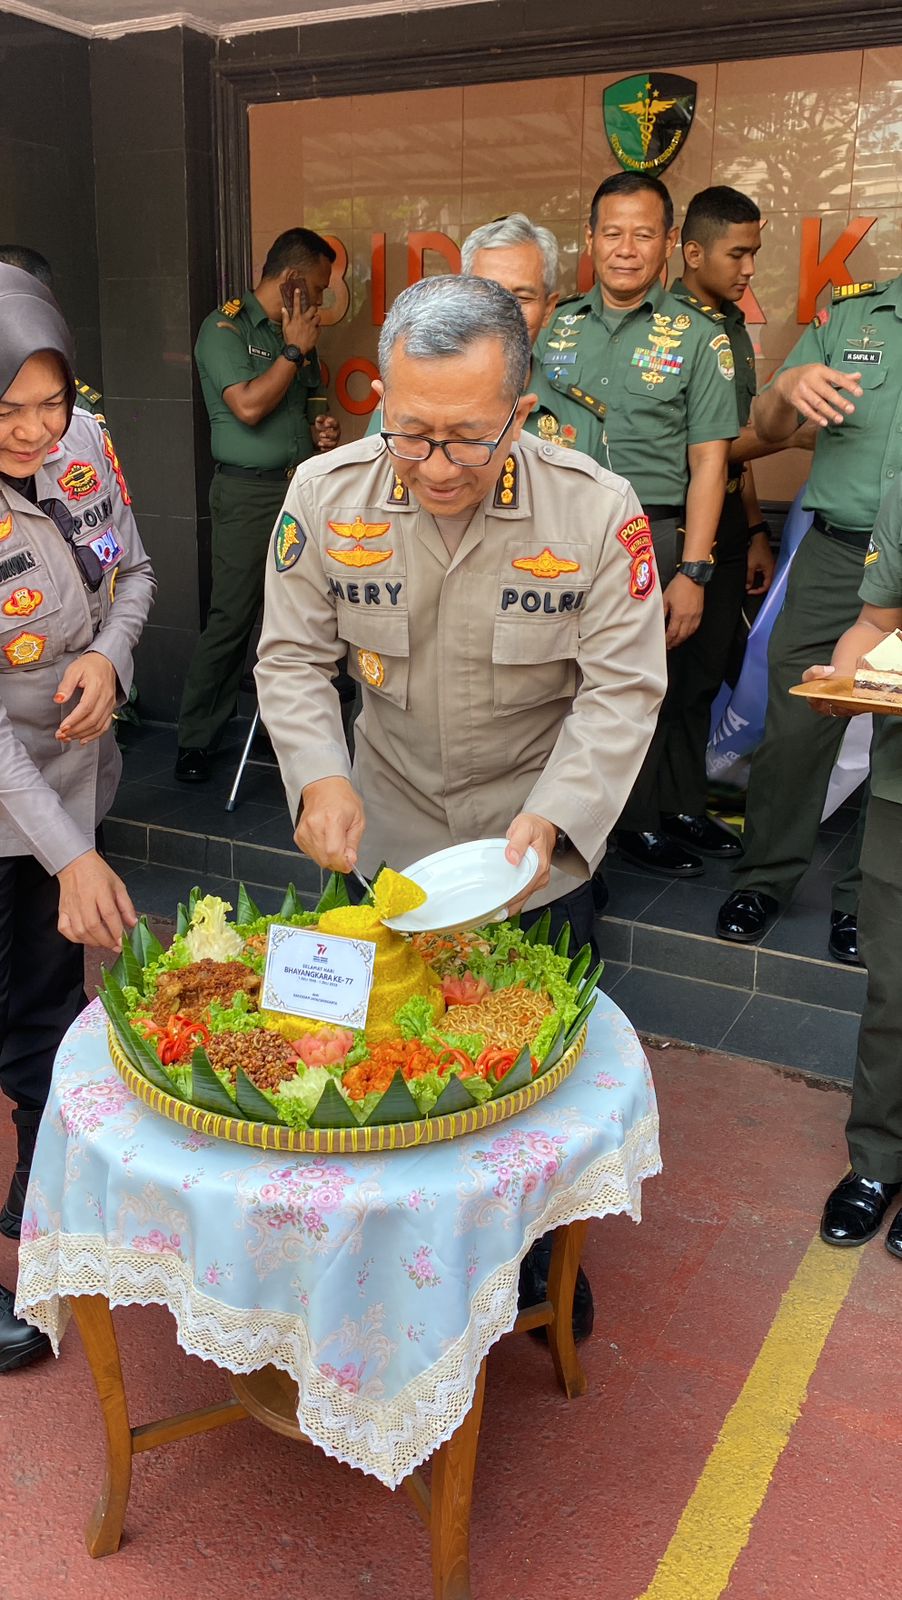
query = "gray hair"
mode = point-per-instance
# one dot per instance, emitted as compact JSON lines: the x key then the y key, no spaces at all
{"x":515,"y":229}
{"x":445,"y":316}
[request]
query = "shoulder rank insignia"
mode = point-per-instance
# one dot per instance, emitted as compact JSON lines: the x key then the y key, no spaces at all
{"x":357,"y":531}
{"x":25,"y":649}
{"x":507,"y":489}
{"x":92,"y":396}
{"x":545,"y":565}
{"x":288,"y":543}
{"x":399,"y":493}
{"x":6,"y":526}
{"x":848,"y":291}
{"x":589,"y":400}
{"x":231,"y":307}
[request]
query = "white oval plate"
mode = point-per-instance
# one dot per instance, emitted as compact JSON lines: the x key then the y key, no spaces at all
{"x":466,"y":885}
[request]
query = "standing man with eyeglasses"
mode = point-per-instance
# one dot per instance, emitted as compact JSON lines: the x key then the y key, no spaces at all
{"x":260,"y":376}
{"x":75,"y":590}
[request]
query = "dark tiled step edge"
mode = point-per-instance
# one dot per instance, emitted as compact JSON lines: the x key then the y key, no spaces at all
{"x":208,"y":856}
{"x":765,"y":972}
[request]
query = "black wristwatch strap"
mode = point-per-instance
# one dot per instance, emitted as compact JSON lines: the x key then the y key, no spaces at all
{"x":292,"y":352}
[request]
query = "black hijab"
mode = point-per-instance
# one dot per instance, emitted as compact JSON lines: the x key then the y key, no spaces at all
{"x":31,"y":320}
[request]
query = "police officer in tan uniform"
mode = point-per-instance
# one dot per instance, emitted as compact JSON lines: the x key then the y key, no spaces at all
{"x":75,"y":590}
{"x":499,"y":601}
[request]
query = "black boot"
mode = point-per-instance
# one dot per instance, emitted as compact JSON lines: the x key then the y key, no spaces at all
{"x":27,"y":1120}
{"x":20,"y":1343}
{"x":534,"y":1270}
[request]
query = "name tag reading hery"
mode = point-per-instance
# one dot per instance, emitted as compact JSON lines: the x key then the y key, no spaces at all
{"x":319,"y":975}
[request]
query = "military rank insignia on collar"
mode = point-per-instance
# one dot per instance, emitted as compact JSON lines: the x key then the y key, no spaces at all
{"x":507,"y":489}
{"x":288,"y":542}
{"x":399,"y":492}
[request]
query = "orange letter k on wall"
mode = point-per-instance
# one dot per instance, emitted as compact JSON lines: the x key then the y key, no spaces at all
{"x":816,"y":271}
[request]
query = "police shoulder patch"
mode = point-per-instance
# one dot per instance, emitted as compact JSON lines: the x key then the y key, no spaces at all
{"x":288,"y":542}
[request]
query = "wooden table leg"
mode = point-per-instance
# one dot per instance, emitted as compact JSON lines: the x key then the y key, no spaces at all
{"x":95,"y":1324}
{"x":453,"y":1467}
{"x":565,"y":1255}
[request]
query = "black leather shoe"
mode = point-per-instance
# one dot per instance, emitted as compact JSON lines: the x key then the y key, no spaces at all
{"x":534,"y":1289}
{"x":27,"y":1120}
{"x":744,"y":916}
{"x":894,"y":1237}
{"x":19,"y":1341}
{"x":704,"y":834}
{"x":192,"y":766}
{"x":843,"y":940}
{"x":855,"y":1209}
{"x":657,"y":853}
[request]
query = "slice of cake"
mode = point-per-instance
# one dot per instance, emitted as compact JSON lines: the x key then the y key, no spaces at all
{"x":880,"y":671}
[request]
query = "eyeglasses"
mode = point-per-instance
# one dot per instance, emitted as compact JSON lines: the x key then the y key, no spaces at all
{"x":460,"y":452}
{"x":87,"y":560}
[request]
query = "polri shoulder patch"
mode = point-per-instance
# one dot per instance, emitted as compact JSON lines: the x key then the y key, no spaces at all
{"x":288,"y":542}
{"x":507,"y":489}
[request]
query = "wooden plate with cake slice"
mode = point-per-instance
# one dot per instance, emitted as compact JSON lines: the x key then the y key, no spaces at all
{"x":876,"y":686}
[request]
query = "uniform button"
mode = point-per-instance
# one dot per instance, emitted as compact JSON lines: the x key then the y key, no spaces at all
{"x":604,"y":380}
{"x":891,"y":473}
{"x":548,"y":449}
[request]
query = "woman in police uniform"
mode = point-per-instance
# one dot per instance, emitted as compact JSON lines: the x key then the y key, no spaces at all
{"x":75,"y":590}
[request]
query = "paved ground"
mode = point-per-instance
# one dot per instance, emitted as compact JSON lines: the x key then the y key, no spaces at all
{"x":695,"y":1465}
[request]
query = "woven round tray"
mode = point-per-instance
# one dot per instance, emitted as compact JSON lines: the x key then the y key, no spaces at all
{"x":344,"y":1141}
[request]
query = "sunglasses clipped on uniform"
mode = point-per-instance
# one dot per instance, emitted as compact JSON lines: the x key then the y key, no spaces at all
{"x":87,"y":560}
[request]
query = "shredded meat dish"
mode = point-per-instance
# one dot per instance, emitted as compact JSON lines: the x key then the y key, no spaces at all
{"x":190,"y":989}
{"x":265,"y":1057}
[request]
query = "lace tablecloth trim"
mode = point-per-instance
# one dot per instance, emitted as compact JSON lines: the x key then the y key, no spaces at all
{"x":387,"y":1437}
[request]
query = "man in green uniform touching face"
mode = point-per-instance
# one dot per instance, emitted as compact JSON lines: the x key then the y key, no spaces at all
{"x":259,"y":372}
{"x":646,"y":385}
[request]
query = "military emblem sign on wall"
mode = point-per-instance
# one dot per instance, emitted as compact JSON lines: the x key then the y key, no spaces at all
{"x":647,"y":119}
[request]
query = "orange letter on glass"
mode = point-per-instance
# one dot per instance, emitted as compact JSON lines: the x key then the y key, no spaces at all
{"x":816,"y":271}
{"x":419,"y":243}
{"x":357,"y":408}
{"x":378,"y":279}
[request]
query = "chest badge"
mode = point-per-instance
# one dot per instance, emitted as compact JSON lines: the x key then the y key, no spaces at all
{"x":22,"y":602}
{"x":25,"y":649}
{"x":682,"y":322}
{"x":6,"y":527}
{"x":358,"y":531}
{"x":289,"y":543}
{"x":79,"y":480}
{"x":371,"y":667}
{"x":545,"y":565}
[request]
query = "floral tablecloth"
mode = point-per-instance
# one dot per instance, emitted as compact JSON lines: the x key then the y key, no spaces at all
{"x":377,"y":1281}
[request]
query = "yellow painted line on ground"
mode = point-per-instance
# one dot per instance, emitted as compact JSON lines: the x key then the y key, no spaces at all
{"x":715,"y":1525}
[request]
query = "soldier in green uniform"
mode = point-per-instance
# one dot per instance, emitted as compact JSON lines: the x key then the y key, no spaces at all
{"x":721,"y":237}
{"x":31,"y":261}
{"x":844,"y":375}
{"x":856,"y":1207}
{"x":259,"y":370}
{"x":646,"y":385}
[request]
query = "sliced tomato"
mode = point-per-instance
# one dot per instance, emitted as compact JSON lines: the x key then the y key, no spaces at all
{"x":465,"y":991}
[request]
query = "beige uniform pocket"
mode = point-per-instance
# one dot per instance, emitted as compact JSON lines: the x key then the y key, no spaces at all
{"x":378,"y":650}
{"x":533,"y":661}
{"x":32,"y":628}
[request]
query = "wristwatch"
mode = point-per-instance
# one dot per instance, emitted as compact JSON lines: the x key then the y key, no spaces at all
{"x":291,"y":352}
{"x":700,"y":572}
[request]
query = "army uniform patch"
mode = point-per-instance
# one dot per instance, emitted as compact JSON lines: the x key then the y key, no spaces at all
{"x":6,"y":527}
{"x":358,"y":531}
{"x":288,"y":543}
{"x":635,"y":536}
{"x":719,"y":342}
{"x":726,"y":366}
{"x":873,"y":554}
{"x":545,"y":565}
{"x":79,"y":480}
{"x":22,"y":602}
{"x":25,"y":649}
{"x":820,"y":318}
{"x":371,"y":668}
